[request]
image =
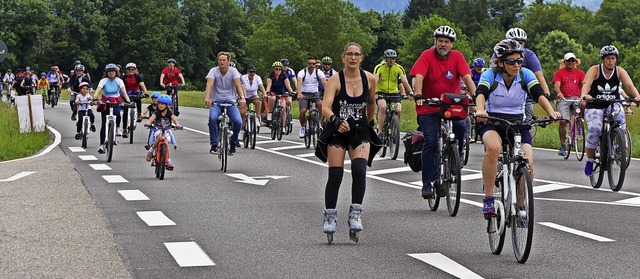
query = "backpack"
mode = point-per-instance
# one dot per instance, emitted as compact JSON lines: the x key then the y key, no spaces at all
{"x":305,"y":75}
{"x":413,"y":141}
{"x":494,"y":85}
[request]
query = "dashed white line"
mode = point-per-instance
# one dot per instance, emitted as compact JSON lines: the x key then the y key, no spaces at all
{"x":576,"y":232}
{"x":133,"y":195}
{"x":76,"y":149}
{"x":391,"y":170}
{"x":635,"y":200}
{"x":307,"y":155}
{"x":114,"y":179}
{"x":288,"y":147}
{"x":100,"y":167}
{"x":376,"y":158}
{"x":266,"y":141}
{"x":472,"y":176}
{"x":188,"y":254}
{"x":88,"y":158}
{"x":446,"y":264}
{"x":549,"y":187}
{"x":155,"y":218}
{"x":18,"y":176}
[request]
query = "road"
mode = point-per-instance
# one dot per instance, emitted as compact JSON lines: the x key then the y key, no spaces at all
{"x":263,"y":217}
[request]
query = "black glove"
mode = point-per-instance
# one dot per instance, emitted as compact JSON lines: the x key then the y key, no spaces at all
{"x":335,"y":121}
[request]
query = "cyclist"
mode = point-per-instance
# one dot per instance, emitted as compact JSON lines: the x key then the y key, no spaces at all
{"x":328,"y":72}
{"x":43,"y":87}
{"x":134,"y":85}
{"x":477,"y":68}
{"x":438,"y":70}
{"x":567,"y":82}
{"x":151,"y":108}
{"x":55,"y":79}
{"x":84,"y":97}
{"x":277,"y":83}
{"x":113,"y":88}
{"x":289,"y":73}
{"x":350,"y":101}
{"x":507,"y":100}
{"x":9,"y":79}
{"x":221,"y":81}
{"x":73,"y":87}
{"x":387,"y":75}
{"x":602,"y":82}
{"x":163,"y":115}
{"x":309,"y":80}
{"x":169,"y":80}
{"x":252,"y":84}
{"x":27,"y":84}
{"x":73,"y":70}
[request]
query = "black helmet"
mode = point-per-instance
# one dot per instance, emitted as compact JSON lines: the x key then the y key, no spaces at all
{"x":77,"y":62}
{"x":171,"y":60}
{"x":506,"y":47}
{"x":285,"y":62}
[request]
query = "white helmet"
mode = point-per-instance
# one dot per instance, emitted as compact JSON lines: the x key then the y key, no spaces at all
{"x":608,"y":50}
{"x":516,"y":34}
{"x":131,"y":65}
{"x":445,"y":31}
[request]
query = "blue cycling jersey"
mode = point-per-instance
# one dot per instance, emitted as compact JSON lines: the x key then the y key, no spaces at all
{"x":507,"y":100}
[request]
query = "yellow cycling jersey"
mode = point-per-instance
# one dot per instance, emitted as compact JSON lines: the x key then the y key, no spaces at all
{"x":388,"y":78}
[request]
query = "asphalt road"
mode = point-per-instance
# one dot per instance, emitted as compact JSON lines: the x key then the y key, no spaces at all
{"x":262,"y":219}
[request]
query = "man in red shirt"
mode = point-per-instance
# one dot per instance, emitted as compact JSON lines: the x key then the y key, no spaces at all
{"x":438,"y":70}
{"x":169,"y":80}
{"x":567,"y":81}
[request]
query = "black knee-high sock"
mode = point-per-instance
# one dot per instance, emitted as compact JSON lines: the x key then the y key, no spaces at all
{"x":359,"y":177}
{"x":333,"y":187}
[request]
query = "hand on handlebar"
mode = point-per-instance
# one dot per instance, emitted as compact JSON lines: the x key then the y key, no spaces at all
{"x":481,"y":116}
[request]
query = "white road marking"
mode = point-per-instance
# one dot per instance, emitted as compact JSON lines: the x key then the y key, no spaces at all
{"x":376,"y":158}
{"x":114,"y":179}
{"x":468,"y":177}
{"x":417,"y":183}
{"x":474,"y":203}
{"x":288,"y":147}
{"x":188,"y":254}
{"x":635,"y":200}
{"x":100,"y":167}
{"x":307,"y":155}
{"x":88,"y":158}
{"x":246,"y":179}
{"x":76,"y":149}
{"x":392,"y":170}
{"x":18,"y":176}
{"x":446,"y":264}
{"x":549,"y":187}
{"x":266,"y":141}
{"x":155,"y":218}
{"x":576,"y":232}
{"x":133,"y":195}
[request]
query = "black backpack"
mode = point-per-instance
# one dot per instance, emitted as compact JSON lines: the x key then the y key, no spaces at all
{"x":413,"y":141}
{"x":305,"y":75}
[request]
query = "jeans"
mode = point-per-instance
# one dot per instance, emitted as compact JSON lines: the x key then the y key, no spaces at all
{"x":430,"y":126}
{"x":81,"y":115}
{"x":236,"y":121}
{"x":103,"y":116}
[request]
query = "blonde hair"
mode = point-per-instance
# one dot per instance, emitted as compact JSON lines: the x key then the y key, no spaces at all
{"x":562,"y":65}
{"x":351,"y":44}
{"x":228,"y":55}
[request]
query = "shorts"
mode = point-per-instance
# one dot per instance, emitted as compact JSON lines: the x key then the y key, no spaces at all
{"x":359,"y":133}
{"x":506,"y":137}
{"x":167,"y":135}
{"x":304,"y":103}
{"x":564,"y":107}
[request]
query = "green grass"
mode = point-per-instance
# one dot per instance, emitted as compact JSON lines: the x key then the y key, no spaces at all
{"x":13,"y":144}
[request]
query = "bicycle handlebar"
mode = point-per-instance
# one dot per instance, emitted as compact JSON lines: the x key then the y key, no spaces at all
{"x":542,"y":122}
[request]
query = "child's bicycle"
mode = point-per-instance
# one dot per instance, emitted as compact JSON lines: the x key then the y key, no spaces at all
{"x":86,"y":123}
{"x":161,"y":156}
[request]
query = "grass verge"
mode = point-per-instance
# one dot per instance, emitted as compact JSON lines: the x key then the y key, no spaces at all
{"x":13,"y":144}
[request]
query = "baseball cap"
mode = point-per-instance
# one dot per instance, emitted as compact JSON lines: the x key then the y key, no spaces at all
{"x":569,"y":55}
{"x":251,"y":68}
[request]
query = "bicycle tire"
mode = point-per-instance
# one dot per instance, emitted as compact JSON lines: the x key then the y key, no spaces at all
{"x":85,"y":132}
{"x":616,"y":161}
{"x":225,"y":149}
{"x":245,"y":134}
{"x":110,"y":141}
{"x":453,"y":180}
{"x":279,"y":128}
{"x":174,"y":104}
{"x":496,"y":225}
{"x":307,"y":133}
{"x":599,"y":165}
{"x":394,"y":139}
{"x":569,"y":139}
{"x":522,"y":224}
{"x":274,"y":126}
{"x":466,"y":150}
{"x":316,"y":131}
{"x":580,"y":138}
{"x":163,"y":161}
{"x":289,"y":122}
{"x":628,"y":147}
{"x":434,"y":202}
{"x":44,"y":102}
{"x":254,"y":132}
{"x":385,"y":138}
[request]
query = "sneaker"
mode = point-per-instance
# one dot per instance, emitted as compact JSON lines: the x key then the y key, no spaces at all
{"x":101,"y":149}
{"x":214,"y":150}
{"x":381,"y":136}
{"x":302,"y":132}
{"x":93,"y":128}
{"x":257,"y":121}
{"x":177,"y":113}
{"x":269,"y":117}
{"x":169,"y":165}
{"x":241,"y":135}
{"x":118,"y":132}
{"x":149,"y":155}
{"x":125,"y":133}
{"x":73,"y":118}
{"x":78,"y":136}
{"x":488,"y":209}
{"x":232,"y":149}
{"x":146,"y":147}
{"x":588,"y":168}
{"x":427,"y":191}
{"x":562,"y":150}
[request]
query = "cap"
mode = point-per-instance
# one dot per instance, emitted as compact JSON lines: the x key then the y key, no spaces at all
{"x":569,"y":55}
{"x":251,"y":68}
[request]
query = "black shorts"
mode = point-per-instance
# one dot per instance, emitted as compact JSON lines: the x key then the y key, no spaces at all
{"x":359,"y":133}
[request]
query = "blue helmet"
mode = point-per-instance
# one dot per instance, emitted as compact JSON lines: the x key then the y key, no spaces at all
{"x":155,"y":95}
{"x":478,"y":62}
{"x":165,"y":99}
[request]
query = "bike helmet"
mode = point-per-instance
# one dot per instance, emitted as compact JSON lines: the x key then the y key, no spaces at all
{"x":43,"y":74}
{"x":9,"y":70}
{"x":110,"y":67}
{"x":327,"y":60}
{"x":171,"y":60}
{"x":131,"y":65}
{"x":478,"y":62}
{"x":516,"y":34}
{"x":155,"y":95}
{"x":27,"y":68}
{"x":285,"y":62}
{"x":390,"y":53}
{"x":232,"y":65}
{"x":165,"y":99}
{"x":53,"y":68}
{"x":608,"y":50}
{"x":77,"y":62}
{"x":506,"y":47}
{"x":276,"y":64}
{"x":445,"y":31}
{"x":79,"y":67}
{"x":82,"y":84}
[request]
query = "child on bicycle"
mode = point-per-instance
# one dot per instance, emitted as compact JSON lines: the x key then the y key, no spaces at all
{"x":43,"y":86}
{"x":84,"y":108}
{"x":146,"y":114}
{"x":163,"y":115}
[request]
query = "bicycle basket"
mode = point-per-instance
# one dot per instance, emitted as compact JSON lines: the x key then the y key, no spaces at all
{"x":454,"y":106}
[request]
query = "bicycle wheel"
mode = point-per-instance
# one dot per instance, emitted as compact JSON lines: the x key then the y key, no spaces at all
{"x":44,"y":101}
{"x":617,"y":160}
{"x":496,"y":225}
{"x":225,"y":153}
{"x":453,"y":180}
{"x":316,"y":131}
{"x":280,"y":127}
{"x":307,"y":133}
{"x":132,"y":124}
{"x":385,"y":138}
{"x":111,"y":137}
{"x":522,"y":221}
{"x":162,"y":162}
{"x":569,"y":140}
{"x":394,"y":137}
{"x":85,"y":132}
{"x":435,"y":201}
{"x":254,"y":132}
{"x":174,"y":104}
{"x":580,"y":138}
{"x":246,"y":134}
{"x":598,"y":172}
{"x":628,"y":147}
{"x":274,"y":126}
{"x":289,"y":122}
{"x":465,"y":152}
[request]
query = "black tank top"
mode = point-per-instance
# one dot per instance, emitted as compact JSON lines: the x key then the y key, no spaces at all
{"x":346,"y":106}
{"x":604,"y":88}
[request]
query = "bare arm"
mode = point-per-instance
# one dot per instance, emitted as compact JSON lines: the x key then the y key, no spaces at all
{"x":288,"y":85}
{"x":181,"y":79}
{"x":123,"y":92}
{"x":261,"y":89}
{"x":405,"y":84}
{"x":333,"y":87}
{"x":144,"y":87}
{"x":471,"y":86}
{"x":208,"y":91}
{"x":174,"y":119}
{"x":556,"y":87}
{"x":628,"y":83}
{"x":161,"y":79}
{"x":269,"y":84}
{"x":589,"y":77}
{"x":151,"y":119}
{"x":542,"y":81}
{"x":371,"y":105}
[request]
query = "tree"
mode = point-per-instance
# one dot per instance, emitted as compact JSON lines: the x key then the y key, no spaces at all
{"x":470,"y":15}
{"x":538,"y":20}
{"x":417,"y":8}
{"x":483,"y":42}
{"x":623,"y":17}
{"x":389,"y":36}
{"x":420,"y":37}
{"x":554,"y":46}
{"x":506,"y":12}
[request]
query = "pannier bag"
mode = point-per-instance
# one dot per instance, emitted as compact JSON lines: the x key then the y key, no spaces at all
{"x":413,"y":141}
{"x":454,"y":106}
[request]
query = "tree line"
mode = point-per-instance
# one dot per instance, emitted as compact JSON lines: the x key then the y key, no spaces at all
{"x":41,"y":33}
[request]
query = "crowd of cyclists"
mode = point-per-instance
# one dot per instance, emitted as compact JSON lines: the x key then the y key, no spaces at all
{"x":351,"y":99}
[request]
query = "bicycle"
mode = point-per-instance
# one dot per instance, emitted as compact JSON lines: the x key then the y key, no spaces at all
{"x":611,"y":153}
{"x":471,"y":125}
{"x":224,"y":135}
{"x":312,"y":125}
{"x":43,"y":93}
{"x":250,"y":127}
{"x":86,"y":123}
{"x":133,"y":116}
{"x":281,"y":115}
{"x":111,"y":128}
{"x":513,"y":188}
{"x":53,"y":95}
{"x":9,"y":91}
{"x":172,"y":89}
{"x":161,"y":157}
{"x":576,"y":136}
{"x":391,"y":127}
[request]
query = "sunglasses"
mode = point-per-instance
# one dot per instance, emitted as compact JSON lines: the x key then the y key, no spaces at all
{"x":277,"y":69}
{"x":353,"y":54}
{"x":252,"y":71}
{"x":512,"y":62}
{"x":130,"y":69}
{"x":571,"y":60}
{"x":311,"y":64}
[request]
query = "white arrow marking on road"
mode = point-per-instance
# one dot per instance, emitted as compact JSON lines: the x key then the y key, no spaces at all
{"x":386,"y":171}
{"x":270,"y":176}
{"x":576,"y":232}
{"x":99,"y":167}
{"x":188,"y":254}
{"x":18,"y":176}
{"x":307,"y":155}
{"x":155,"y":218}
{"x":245,"y":179}
{"x":445,"y":264}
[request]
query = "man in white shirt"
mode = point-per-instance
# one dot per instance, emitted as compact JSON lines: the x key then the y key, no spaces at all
{"x":308,"y":81}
